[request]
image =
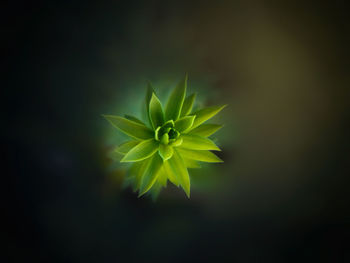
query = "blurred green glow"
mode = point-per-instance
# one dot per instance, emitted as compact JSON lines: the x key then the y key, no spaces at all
{"x":115,"y":138}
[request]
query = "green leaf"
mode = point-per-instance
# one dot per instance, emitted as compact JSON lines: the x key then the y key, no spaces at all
{"x":190,"y":163}
{"x":173,"y":135}
{"x":188,"y":104}
{"x":156,"y":114}
{"x":130,"y":128}
{"x":178,"y":167}
{"x":165,"y":151}
{"x":195,"y":142}
{"x":170,"y":174}
{"x":148,"y":97}
{"x":155,"y":191}
{"x":156,"y":133}
{"x":149,"y":93}
{"x":164,"y":139}
{"x":151,"y":174}
{"x":176,"y":100}
{"x":162,"y":179}
{"x":205,"y":130}
{"x":184,"y":123}
{"x":202,"y":156}
{"x":114,"y":155}
{"x":157,"y":187}
{"x":205,"y":114}
{"x":137,"y":170}
{"x":132,"y":118}
{"x":141,"y":151}
{"x":168,"y":124}
{"x":177,"y":142}
{"x":125,"y":147}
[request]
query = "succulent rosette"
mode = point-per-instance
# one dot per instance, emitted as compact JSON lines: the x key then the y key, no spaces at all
{"x":172,"y":141}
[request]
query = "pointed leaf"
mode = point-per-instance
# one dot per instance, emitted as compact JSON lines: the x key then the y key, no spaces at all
{"x":179,"y":169}
{"x":195,"y":142}
{"x":148,"y":97}
{"x":130,"y":128}
{"x":162,"y":177}
{"x":176,"y":100}
{"x":185,"y":123}
{"x":141,"y":151}
{"x":158,"y":185}
{"x":151,"y":174}
{"x":125,"y":147}
{"x":149,"y":93}
{"x":165,"y":151}
{"x":205,"y":130}
{"x":190,"y":163}
{"x":202,"y":156}
{"x":170,"y":174}
{"x":137,"y":170}
{"x":155,"y":191}
{"x":188,"y":104}
{"x":156,"y":114}
{"x":205,"y":114}
{"x":132,"y":118}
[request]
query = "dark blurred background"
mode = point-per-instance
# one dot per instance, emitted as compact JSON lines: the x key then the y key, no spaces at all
{"x":282,"y":194}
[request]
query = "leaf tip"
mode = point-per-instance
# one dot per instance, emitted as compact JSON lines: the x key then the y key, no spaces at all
{"x":224,"y":106}
{"x":106,"y":116}
{"x":140,"y":194}
{"x":143,"y":189}
{"x":186,"y":76}
{"x":187,"y":192}
{"x":217,"y":149}
{"x":123,"y":160}
{"x":219,"y":159}
{"x":149,"y":85}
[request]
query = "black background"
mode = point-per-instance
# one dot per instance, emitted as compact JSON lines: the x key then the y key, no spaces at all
{"x":282,"y":66}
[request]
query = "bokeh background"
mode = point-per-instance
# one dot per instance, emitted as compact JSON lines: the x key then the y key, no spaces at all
{"x":282,"y":194}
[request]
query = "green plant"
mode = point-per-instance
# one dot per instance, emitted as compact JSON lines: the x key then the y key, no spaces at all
{"x":174,"y":141}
